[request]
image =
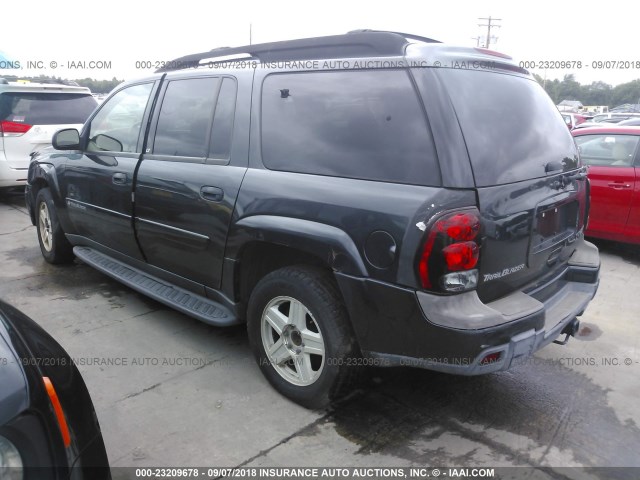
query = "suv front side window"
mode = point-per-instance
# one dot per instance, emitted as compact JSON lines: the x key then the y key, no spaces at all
{"x":116,"y":127}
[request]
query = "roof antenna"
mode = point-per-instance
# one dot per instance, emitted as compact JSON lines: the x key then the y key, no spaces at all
{"x":250,"y":35}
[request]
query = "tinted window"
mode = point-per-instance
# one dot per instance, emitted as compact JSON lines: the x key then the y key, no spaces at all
{"x":223,"y":120}
{"x":185,"y":118}
{"x":46,"y":108}
{"x":607,"y":150}
{"x":511,"y":127}
{"x":119,"y":120}
{"x":358,"y":124}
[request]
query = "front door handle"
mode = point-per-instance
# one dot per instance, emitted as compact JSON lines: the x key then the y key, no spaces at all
{"x":619,"y":185}
{"x":212,"y":194}
{"x":119,"y":178}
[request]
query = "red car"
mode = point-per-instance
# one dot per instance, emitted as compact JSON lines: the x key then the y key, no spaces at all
{"x":614,"y":171}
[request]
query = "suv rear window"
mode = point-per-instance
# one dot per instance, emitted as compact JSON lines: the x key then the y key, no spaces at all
{"x":356,"y":124}
{"x":510,"y":125}
{"x":46,"y":108}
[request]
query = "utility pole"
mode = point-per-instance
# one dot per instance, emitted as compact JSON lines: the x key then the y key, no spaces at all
{"x":489,"y":26}
{"x":250,"y":34}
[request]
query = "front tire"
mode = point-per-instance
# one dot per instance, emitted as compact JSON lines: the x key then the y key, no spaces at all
{"x":300,"y":335}
{"x":54,"y":245}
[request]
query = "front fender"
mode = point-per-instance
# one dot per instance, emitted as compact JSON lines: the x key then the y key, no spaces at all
{"x":326,"y":242}
{"x":43,"y":174}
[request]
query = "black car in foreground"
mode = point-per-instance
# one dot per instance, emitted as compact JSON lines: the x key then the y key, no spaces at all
{"x":48,"y":427}
{"x":373,"y":198}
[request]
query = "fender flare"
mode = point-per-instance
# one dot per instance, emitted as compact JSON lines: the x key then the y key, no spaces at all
{"x":329,"y":243}
{"x":43,"y":172}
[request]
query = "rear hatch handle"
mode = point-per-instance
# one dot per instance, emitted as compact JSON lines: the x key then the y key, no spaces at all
{"x":553,"y":167}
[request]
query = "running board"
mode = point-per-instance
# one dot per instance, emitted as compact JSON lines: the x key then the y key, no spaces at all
{"x":194,"y":305}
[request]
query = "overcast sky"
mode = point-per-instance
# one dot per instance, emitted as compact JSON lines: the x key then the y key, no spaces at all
{"x":123,"y":32}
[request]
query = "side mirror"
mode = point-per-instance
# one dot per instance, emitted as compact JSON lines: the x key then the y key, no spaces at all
{"x":106,"y":143}
{"x":67,"y":139}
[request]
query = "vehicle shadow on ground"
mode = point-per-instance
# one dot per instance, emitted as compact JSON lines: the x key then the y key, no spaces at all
{"x":630,"y":253}
{"x":13,"y":196}
{"x":540,"y":406}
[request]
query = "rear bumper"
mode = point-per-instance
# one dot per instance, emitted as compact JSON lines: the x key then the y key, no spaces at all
{"x":453,"y":334}
{"x":11,"y":177}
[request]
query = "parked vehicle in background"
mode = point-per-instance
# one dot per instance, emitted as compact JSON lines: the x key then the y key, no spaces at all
{"x":613,"y":117}
{"x":632,"y":122}
{"x":588,"y":124}
{"x":48,"y":426}
{"x":592,"y":110}
{"x":612,"y":155}
{"x":388,"y":213}
{"x":573,"y":119}
{"x":30,"y":113}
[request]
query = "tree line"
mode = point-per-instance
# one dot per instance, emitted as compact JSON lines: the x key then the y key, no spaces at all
{"x":99,"y":86}
{"x":96,"y":86}
{"x":596,"y":93}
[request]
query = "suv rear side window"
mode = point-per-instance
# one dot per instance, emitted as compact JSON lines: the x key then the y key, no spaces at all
{"x":46,"y":108}
{"x":510,"y":125}
{"x":356,"y":124}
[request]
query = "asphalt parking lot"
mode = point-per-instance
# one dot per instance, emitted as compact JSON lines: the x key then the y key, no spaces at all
{"x":170,"y":391}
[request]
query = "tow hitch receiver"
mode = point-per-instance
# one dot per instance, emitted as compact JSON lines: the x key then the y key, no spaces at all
{"x":569,"y":331}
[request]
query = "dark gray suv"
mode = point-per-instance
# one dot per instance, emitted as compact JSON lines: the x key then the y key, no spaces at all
{"x":373,"y":198}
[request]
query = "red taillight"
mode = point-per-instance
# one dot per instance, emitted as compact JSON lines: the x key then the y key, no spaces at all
{"x":451,"y":246}
{"x":461,"y":256}
{"x":462,"y":226}
{"x":13,"y":129}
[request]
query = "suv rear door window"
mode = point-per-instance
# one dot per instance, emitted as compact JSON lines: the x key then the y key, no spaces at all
{"x":223,"y":120}
{"x":511,"y":127}
{"x":185,"y":118}
{"x":356,"y":124}
{"x":46,"y":108}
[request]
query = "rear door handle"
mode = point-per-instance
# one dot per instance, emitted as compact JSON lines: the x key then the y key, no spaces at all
{"x":119,"y":178}
{"x":619,"y":185}
{"x":212,"y":194}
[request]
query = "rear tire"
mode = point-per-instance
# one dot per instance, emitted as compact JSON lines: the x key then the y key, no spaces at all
{"x":301,"y":337}
{"x":54,"y":245}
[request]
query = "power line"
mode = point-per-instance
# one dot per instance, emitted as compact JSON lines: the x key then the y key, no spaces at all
{"x":490,"y":24}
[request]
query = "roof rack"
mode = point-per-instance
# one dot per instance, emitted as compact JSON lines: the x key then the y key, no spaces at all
{"x":372,"y":43}
{"x":410,"y":36}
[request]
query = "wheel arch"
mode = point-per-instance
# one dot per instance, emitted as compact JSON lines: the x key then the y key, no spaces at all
{"x":261,"y":244}
{"x":44,"y":175}
{"x":41,"y":175}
